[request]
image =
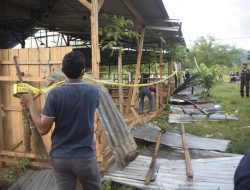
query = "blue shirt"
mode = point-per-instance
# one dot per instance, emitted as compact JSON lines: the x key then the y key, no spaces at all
{"x":73,"y":107}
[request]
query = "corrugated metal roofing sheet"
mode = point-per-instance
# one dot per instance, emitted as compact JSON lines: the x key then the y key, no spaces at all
{"x":184,"y":118}
{"x":120,"y":139}
{"x":209,"y":174}
{"x":148,"y":131}
{"x":35,"y":180}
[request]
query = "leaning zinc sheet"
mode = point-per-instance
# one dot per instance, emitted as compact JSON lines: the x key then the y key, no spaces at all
{"x":209,"y":174}
{"x":148,"y":131}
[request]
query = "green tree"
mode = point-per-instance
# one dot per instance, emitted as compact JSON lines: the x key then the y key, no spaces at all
{"x":207,"y":51}
{"x":176,"y":52}
{"x":210,"y":76}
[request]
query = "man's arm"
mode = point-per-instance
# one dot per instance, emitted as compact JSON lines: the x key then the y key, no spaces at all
{"x":42,"y":123}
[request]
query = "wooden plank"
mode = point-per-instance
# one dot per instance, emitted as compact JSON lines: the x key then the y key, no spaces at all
{"x":95,"y":39}
{"x":32,"y":163}
{"x":135,"y":113}
{"x":138,"y":65}
{"x":27,"y":79}
{"x":16,"y":154}
{"x":142,"y":120}
{"x":154,"y":158}
{"x":189,"y":170}
{"x":85,"y":4}
{"x":120,"y":81}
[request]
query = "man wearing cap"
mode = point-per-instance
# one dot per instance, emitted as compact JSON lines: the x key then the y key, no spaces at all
{"x":244,"y":80}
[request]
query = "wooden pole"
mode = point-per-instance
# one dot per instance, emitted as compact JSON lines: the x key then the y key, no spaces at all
{"x":138,"y":65}
{"x":120,"y":81}
{"x":154,"y":157}
{"x":171,"y":81}
{"x":95,"y":39}
{"x":161,"y":76}
{"x":157,"y":97}
{"x":189,"y":170}
{"x":1,"y":117}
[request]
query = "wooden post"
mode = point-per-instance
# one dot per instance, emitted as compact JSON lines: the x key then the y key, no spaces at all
{"x":157,"y":97}
{"x":161,"y":76}
{"x":171,"y":80}
{"x":1,"y":117}
{"x":189,"y":170}
{"x":95,"y":39}
{"x":120,"y":81}
{"x":138,"y":65}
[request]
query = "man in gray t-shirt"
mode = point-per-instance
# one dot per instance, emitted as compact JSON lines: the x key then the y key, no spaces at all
{"x":72,"y":107}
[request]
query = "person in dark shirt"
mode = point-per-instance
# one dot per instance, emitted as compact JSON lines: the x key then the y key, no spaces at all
{"x":244,"y":80}
{"x":242,"y":173}
{"x":72,"y":108}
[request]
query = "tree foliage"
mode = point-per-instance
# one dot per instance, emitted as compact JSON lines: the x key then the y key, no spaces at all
{"x":207,"y":51}
{"x":210,"y":76}
{"x":116,"y":31}
{"x":175,"y":52}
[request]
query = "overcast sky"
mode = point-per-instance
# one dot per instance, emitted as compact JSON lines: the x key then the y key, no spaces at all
{"x":227,"y":20}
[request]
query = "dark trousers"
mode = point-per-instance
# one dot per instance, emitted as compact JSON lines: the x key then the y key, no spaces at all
{"x":66,"y":171}
{"x":144,"y":91}
{"x":244,"y":84}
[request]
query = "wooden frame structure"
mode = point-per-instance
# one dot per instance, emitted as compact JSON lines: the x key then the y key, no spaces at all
{"x":35,"y":63}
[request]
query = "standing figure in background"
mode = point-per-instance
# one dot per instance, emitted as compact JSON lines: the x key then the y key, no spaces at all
{"x":187,"y":75}
{"x":244,"y":80}
{"x":145,"y":91}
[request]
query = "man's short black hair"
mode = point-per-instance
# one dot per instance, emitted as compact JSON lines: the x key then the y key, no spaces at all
{"x":244,"y":64}
{"x":73,"y":63}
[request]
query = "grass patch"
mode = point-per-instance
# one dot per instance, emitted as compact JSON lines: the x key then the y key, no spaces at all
{"x":227,"y":95}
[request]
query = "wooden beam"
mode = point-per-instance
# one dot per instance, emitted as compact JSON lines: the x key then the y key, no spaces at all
{"x":85,"y":3}
{"x":1,"y":119}
{"x":161,"y":76}
{"x":17,"y":154}
{"x":100,"y":3}
{"x":120,"y":81}
{"x":163,"y":28}
{"x":154,"y":158}
{"x":134,"y":11}
{"x":95,"y":39}
{"x":157,"y":107}
{"x":189,"y":170}
{"x":15,"y":78}
{"x":139,"y":17}
{"x":32,"y":163}
{"x":138,"y":65}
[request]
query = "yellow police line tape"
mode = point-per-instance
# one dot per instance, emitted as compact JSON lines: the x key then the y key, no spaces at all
{"x":22,"y":88}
